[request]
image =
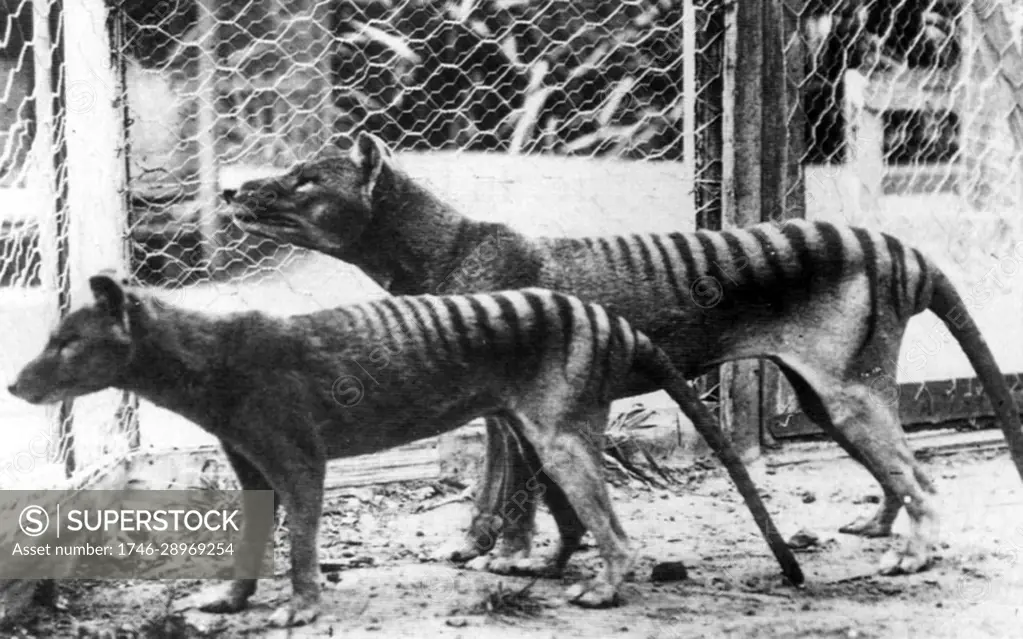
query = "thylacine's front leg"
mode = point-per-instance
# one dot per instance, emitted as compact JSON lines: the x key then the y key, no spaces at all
{"x":297,"y":480}
{"x":299,"y":477}
{"x":255,"y":533}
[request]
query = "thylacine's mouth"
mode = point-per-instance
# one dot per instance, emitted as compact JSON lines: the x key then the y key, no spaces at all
{"x":263,"y":223}
{"x":38,"y":399}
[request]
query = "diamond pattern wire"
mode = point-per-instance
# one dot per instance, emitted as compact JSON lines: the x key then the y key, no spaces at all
{"x":289,"y":77}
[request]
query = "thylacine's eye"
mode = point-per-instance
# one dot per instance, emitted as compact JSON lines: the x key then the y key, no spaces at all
{"x":65,"y":345}
{"x":305,"y":182}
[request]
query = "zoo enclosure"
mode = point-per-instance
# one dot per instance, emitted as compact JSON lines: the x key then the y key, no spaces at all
{"x":750,"y":110}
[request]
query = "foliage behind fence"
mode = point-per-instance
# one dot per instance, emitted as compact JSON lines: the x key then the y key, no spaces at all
{"x":591,"y":77}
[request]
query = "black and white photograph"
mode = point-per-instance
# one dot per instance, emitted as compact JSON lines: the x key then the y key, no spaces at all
{"x":511,"y":318}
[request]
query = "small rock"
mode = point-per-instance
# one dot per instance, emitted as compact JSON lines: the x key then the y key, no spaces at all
{"x":669,"y":571}
{"x":362,"y":561}
{"x":804,"y":539}
{"x":456,"y":623}
{"x":809,"y":497}
{"x":334,"y":577}
{"x":362,"y":494}
{"x":424,"y":493}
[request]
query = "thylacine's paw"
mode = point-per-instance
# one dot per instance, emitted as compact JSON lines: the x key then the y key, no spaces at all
{"x":866,"y":527}
{"x":479,"y":564}
{"x":222,"y":600}
{"x":593,"y":594}
{"x":299,"y":611}
{"x":545,"y":567}
{"x":906,"y":561}
{"x":457,"y":552}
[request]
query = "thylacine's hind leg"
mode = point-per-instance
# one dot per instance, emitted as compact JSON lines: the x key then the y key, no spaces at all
{"x":880,"y":523}
{"x":860,"y":410}
{"x":571,"y":458}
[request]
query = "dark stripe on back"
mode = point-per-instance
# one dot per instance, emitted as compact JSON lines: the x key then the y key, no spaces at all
{"x":630,"y":262}
{"x":381,"y":321}
{"x":669,"y":269}
{"x":605,"y":248}
{"x":510,"y":318}
{"x":899,"y":286}
{"x":415,"y":315}
{"x":399,"y":317}
{"x":741,"y":261}
{"x":649,"y":270}
{"x":870,"y":264}
{"x":800,"y":251}
{"x":567,"y":325}
{"x":483,"y":320}
{"x":925,"y":274}
{"x":614,"y":341}
{"x":458,"y":325}
{"x":771,"y":254}
{"x":538,"y":335}
{"x":713,"y":262}
{"x":591,"y":318}
{"x":438,"y":327}
{"x":681,"y":243}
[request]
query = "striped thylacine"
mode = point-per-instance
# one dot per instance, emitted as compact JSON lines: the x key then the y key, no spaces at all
{"x":284,"y":395}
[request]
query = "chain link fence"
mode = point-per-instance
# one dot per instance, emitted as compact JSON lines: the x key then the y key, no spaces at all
{"x":908,"y":121}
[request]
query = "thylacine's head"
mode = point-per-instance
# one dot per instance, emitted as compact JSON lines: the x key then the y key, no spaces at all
{"x":90,"y":350}
{"x":323,"y":204}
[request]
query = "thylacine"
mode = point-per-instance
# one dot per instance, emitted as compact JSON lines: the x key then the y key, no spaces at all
{"x":284,"y":395}
{"x":827,"y":303}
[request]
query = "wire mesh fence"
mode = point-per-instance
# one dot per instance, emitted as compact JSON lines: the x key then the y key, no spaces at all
{"x":476,"y":97}
{"x":908,"y":121}
{"x":39,"y":245}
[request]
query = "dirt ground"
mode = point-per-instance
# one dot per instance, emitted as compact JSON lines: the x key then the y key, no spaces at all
{"x":383,"y":582}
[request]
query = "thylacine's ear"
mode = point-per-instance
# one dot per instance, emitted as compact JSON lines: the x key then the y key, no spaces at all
{"x":110,"y":297}
{"x":371,"y":155}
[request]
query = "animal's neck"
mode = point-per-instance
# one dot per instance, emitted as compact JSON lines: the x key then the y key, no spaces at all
{"x":427,"y":242}
{"x":175,"y":363}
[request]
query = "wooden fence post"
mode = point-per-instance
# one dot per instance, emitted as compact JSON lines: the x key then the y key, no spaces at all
{"x":740,"y":381}
{"x":763,"y":164}
{"x":94,"y":176}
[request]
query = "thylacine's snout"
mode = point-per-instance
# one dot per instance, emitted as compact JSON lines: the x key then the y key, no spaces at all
{"x":19,"y":389}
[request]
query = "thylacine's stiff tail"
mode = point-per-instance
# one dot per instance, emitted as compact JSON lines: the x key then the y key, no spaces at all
{"x":945,"y":302}
{"x":655,"y":364}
